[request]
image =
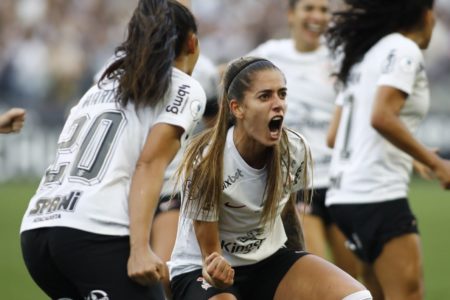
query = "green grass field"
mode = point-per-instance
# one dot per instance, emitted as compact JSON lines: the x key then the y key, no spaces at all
{"x":430,"y":203}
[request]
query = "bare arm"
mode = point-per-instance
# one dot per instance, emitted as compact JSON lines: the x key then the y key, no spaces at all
{"x":334,"y":125}
{"x":163,"y":142}
{"x":12,"y":120}
{"x":216,"y":269}
{"x":292,"y":226}
{"x":385,"y":119}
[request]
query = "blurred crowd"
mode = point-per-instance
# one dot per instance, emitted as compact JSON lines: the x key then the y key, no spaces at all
{"x":51,"y":49}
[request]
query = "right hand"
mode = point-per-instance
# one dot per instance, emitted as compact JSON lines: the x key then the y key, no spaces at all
{"x":217,"y":271}
{"x":442,"y":171}
{"x":12,"y":120}
{"x":145,"y":267}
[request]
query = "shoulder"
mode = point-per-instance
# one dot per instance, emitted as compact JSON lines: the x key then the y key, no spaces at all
{"x":296,"y":142}
{"x":184,"y":84}
{"x":400,"y":45}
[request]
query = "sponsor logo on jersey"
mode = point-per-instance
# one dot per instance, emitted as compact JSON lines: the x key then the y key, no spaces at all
{"x":179,"y":102}
{"x":232,"y":179}
{"x":388,"y":65}
{"x":59,"y":203}
{"x":245,"y":244}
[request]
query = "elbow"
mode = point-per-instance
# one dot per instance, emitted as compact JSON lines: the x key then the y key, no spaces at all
{"x":379,"y":122}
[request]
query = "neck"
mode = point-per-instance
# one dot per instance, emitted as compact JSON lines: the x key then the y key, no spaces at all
{"x":253,"y":153}
{"x":182,"y":63}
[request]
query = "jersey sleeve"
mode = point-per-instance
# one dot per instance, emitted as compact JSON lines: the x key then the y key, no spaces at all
{"x":400,"y":66}
{"x":185,"y":106}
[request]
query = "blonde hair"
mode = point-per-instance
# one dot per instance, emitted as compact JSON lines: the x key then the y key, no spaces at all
{"x":203,"y":160}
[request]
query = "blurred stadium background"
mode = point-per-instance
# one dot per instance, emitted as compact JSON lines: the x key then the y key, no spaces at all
{"x":51,"y":49}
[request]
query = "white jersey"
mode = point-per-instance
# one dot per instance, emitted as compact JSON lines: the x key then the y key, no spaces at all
{"x":310,"y":98}
{"x":206,"y":74}
{"x":366,"y":167}
{"x":87,"y":186}
{"x":243,"y":239}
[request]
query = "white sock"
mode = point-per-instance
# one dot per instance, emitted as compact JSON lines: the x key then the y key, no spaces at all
{"x":361,"y":295}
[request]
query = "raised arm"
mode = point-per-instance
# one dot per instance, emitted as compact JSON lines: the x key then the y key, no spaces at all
{"x":385,"y":119}
{"x":216,"y":270}
{"x":292,"y":226}
{"x":163,"y":142}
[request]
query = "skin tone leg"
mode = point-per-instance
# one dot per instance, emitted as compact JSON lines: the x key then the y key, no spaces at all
{"x":223,"y":297}
{"x":371,"y":281}
{"x":312,"y":277}
{"x":342,"y":256}
{"x":164,"y":232}
{"x":399,"y":268}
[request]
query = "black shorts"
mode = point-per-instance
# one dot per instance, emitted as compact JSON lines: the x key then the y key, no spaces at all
{"x":74,"y":264}
{"x":168,"y":202}
{"x":258,"y":281}
{"x":317,"y":206}
{"x":369,"y":227}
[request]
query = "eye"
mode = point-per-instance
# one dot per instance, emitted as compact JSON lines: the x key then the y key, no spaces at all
{"x":264,"y":96}
{"x":282,"y":94}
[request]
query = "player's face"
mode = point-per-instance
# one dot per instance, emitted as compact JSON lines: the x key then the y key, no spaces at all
{"x":308,"y":21}
{"x":261,"y":113}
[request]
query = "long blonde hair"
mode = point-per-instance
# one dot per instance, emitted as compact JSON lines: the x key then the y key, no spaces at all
{"x":203,"y":160}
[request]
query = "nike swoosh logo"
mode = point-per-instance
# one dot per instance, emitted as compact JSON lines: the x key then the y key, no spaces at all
{"x":228,"y":204}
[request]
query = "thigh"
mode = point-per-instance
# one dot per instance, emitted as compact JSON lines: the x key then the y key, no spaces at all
{"x":97,"y":265}
{"x":399,"y":268}
{"x":312,"y":277}
{"x":192,"y":286}
{"x":342,"y":256}
{"x":40,"y":265}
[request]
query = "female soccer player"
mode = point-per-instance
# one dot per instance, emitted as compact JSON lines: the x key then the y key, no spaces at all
{"x":385,"y":96}
{"x":239,"y":178}
{"x":90,"y":219}
{"x":308,"y":67}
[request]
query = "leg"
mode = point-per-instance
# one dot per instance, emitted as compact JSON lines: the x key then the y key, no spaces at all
{"x":312,"y":277}
{"x":399,"y":268}
{"x":162,"y":239}
{"x":371,"y":281}
{"x":314,"y":231}
{"x":342,"y":256}
{"x":164,"y":233}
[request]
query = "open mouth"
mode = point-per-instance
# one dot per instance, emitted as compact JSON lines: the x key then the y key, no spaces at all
{"x":315,"y":28}
{"x":275,"y":124}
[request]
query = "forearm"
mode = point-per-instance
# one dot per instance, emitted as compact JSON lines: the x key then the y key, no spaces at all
{"x":207,"y":234}
{"x":394,"y":130}
{"x":144,"y":195}
{"x":292,"y":226}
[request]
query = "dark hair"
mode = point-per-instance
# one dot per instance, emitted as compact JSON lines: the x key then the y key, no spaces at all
{"x":157,"y":33}
{"x":292,"y":3}
{"x":355,"y":30}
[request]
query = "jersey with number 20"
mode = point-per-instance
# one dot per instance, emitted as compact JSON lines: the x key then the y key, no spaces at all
{"x":88,"y":184}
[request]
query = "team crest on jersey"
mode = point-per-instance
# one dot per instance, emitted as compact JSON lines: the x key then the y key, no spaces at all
{"x":196,"y":108}
{"x":407,"y":64}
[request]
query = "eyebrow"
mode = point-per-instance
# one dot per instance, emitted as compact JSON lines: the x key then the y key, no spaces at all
{"x":271,"y":91}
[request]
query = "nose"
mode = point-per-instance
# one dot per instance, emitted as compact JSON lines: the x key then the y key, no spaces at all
{"x":279,"y":104}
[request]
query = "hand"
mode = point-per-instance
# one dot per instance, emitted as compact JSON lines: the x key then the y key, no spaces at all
{"x":442,"y":172}
{"x":423,"y":170}
{"x":12,"y":120}
{"x":145,"y":267}
{"x":217,"y":271}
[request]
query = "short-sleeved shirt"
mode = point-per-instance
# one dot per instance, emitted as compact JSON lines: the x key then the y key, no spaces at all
{"x":87,"y":186}
{"x":244,"y":240}
{"x":310,"y":97}
{"x":366,"y":167}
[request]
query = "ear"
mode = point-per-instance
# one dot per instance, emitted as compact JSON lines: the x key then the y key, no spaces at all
{"x":236,"y":109}
{"x":192,"y":43}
